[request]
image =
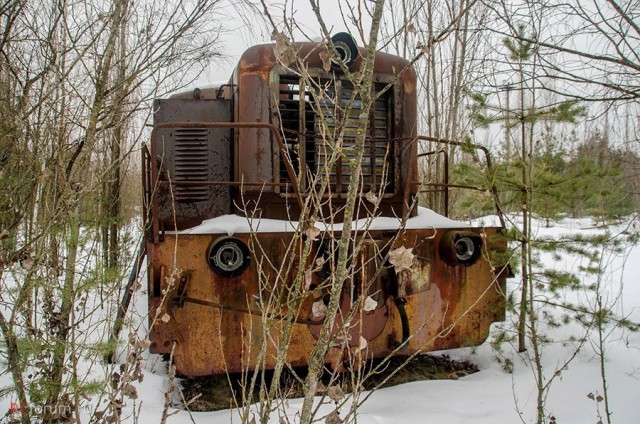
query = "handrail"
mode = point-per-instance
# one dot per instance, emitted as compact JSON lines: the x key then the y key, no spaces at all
{"x":446,"y":176}
{"x":232,"y":125}
{"x":493,"y":188}
{"x":146,"y":183}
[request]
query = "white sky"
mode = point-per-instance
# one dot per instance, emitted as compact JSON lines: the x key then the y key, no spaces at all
{"x":240,"y":35}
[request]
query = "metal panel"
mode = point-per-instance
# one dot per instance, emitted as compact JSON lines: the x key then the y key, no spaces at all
{"x":217,"y":324}
{"x":191,"y":159}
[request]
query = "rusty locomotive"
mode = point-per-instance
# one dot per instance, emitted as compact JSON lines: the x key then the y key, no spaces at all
{"x":225,"y":178}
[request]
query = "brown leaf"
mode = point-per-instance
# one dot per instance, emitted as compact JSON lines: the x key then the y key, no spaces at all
{"x":422,"y":47}
{"x":130,"y":391}
{"x":371,"y":196}
{"x":308,"y":279}
{"x":143,"y":344}
{"x":46,"y":174}
{"x":320,"y":388}
{"x":362,"y":344}
{"x":333,"y":418}
{"x":283,"y":50}
{"x":401,"y":258}
{"x":411,"y":28}
{"x":318,"y":309}
{"x":312,"y":232}
{"x":26,"y":263}
{"x":335,"y":393}
{"x":369,"y":304}
{"x":4,"y":235}
{"x":325,"y":56}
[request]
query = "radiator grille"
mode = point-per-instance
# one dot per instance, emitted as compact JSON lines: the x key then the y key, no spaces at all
{"x":297,"y":120}
{"x":376,"y":162}
{"x":191,"y":164}
{"x":309,"y":133}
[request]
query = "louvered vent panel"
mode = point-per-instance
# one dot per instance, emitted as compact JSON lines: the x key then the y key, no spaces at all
{"x":297,"y":120}
{"x":191,"y":164}
{"x":308,"y":134}
{"x":378,"y":158}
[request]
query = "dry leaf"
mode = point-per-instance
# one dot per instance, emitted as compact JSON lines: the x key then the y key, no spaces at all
{"x":283,"y":50}
{"x":308,"y":279}
{"x":422,"y":47}
{"x":318,"y":310}
{"x":362,"y":345}
{"x":411,"y":28}
{"x":325,"y":56}
{"x":320,"y":388}
{"x":143,"y":344}
{"x":130,"y":391}
{"x":46,"y":174}
{"x":369,"y":304}
{"x":312,"y":232}
{"x":4,"y":234}
{"x":371,"y":196}
{"x":26,"y":263}
{"x":333,"y":418}
{"x":335,"y":393}
{"x":401,"y":258}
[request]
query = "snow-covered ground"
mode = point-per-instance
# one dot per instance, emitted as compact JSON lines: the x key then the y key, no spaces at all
{"x":493,"y":395}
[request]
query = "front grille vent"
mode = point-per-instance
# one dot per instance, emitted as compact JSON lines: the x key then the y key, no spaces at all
{"x":309,"y":134}
{"x":297,"y":121}
{"x":377,"y":161}
{"x":191,"y":164}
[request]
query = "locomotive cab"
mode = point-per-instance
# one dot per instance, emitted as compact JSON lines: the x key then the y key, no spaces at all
{"x":226,"y":183}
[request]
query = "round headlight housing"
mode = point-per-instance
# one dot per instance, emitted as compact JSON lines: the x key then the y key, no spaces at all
{"x":229,"y":257}
{"x":460,"y":247}
{"x":465,"y":249}
{"x":346,"y":47}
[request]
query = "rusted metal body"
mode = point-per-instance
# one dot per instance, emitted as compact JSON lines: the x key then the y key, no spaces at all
{"x":253,"y":145}
{"x":216,"y":323}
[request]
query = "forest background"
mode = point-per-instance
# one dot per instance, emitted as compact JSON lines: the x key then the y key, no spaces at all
{"x":551,"y":88}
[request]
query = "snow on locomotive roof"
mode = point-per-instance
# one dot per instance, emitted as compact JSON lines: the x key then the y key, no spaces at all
{"x":232,"y":224}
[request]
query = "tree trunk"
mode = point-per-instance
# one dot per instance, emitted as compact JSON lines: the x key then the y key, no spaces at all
{"x":318,"y":354}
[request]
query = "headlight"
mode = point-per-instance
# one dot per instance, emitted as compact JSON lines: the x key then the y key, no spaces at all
{"x":228,"y":257}
{"x":460,"y":247}
{"x":346,"y":47}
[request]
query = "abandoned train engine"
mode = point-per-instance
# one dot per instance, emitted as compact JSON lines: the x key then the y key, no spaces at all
{"x":227,"y":179}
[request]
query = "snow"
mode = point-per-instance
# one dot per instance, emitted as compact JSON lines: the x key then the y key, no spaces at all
{"x":493,"y":395}
{"x":234,"y":224}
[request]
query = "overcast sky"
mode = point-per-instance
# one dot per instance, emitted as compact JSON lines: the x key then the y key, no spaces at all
{"x":242,"y":35}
